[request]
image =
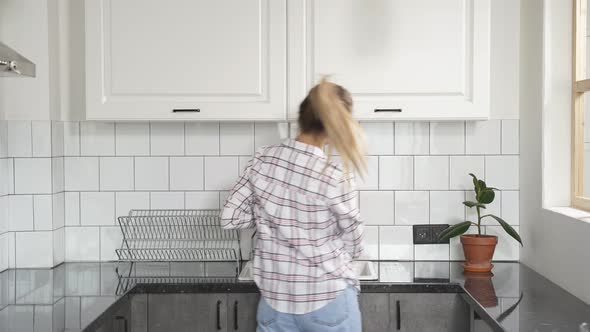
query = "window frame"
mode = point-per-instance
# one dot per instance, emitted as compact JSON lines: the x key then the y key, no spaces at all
{"x":580,"y":86}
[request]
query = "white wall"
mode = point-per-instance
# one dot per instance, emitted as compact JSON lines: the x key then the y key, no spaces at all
{"x":4,"y":180}
{"x":554,"y":245}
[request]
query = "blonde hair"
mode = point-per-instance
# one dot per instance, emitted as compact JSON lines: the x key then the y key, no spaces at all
{"x":327,"y":110}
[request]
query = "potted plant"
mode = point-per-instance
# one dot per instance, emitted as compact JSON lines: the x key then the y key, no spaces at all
{"x":479,"y":248}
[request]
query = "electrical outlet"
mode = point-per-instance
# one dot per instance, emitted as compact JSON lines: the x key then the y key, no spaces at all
{"x":428,"y":234}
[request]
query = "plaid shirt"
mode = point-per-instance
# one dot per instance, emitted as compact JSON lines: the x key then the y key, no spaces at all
{"x":307,"y":221}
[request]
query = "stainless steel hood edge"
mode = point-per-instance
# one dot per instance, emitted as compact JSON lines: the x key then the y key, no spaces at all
{"x":13,"y":63}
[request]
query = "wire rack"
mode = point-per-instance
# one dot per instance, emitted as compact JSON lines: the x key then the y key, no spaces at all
{"x":176,"y":235}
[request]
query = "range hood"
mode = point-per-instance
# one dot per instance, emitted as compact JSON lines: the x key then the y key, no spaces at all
{"x":14,"y":64}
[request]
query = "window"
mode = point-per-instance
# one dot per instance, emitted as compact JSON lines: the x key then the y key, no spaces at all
{"x":581,"y":108}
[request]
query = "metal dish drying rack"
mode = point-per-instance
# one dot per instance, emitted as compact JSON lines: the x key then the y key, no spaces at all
{"x":174,"y":236}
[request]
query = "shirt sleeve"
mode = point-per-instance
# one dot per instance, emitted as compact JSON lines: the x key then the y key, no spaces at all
{"x":343,"y":204}
{"x":238,"y":211}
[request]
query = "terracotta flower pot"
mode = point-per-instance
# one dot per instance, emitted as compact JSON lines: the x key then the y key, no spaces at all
{"x":478,"y":250}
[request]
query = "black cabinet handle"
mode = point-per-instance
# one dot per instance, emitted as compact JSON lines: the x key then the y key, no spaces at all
{"x":398,"y":315}
{"x":236,"y":316}
{"x":186,"y":110}
{"x":218,"y":315}
{"x":390,"y":110}
{"x":121,"y":318}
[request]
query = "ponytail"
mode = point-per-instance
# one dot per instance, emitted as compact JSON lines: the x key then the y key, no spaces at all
{"x":331,"y":104}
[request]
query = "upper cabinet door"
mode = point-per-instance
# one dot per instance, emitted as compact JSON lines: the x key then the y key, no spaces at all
{"x":401,"y":59}
{"x":186,"y":59}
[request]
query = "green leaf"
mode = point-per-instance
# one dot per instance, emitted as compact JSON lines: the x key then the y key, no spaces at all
{"x":454,"y":230}
{"x":511,"y":231}
{"x":472,"y":204}
{"x":486,"y":196}
{"x":474,"y":180}
{"x":481,"y":184}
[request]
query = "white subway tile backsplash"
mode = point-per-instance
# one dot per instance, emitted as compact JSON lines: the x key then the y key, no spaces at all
{"x":57,"y":174}
{"x":71,"y":139}
{"x":370,"y":181}
{"x":127,"y":201}
{"x":202,"y":200}
{"x":72,"y":208}
{"x":432,"y":252}
{"x":167,"y":200}
{"x":396,"y":172}
{"x":59,"y":246}
{"x":510,"y":136}
{"x":82,"y":244}
{"x":97,"y":208}
{"x":41,"y":136}
{"x":379,"y":137}
{"x":371,"y":243}
{"x":447,"y":138}
{"x":193,"y":164}
{"x":266,"y":133}
{"x":202,"y":138}
{"x":220,"y":172}
{"x":43,"y":212}
{"x":461,"y":166}
{"x":4,"y":250}
{"x":81,"y":173}
{"x":396,"y":243}
{"x":411,"y":207}
{"x":58,"y":210}
{"x":3,"y":139}
{"x":4,"y":223}
{"x":116,"y":174}
{"x":502,"y":172}
{"x":20,"y":138}
{"x":110,"y":239}
{"x":57,"y":139}
{"x":34,"y":249}
{"x":412,"y":138}
{"x":446,"y":207}
{"x":186,"y":173}
{"x":132,"y":139}
{"x":507,"y":249}
{"x":167,"y":139}
{"x":32,"y":176}
{"x":377,"y":207}
{"x":236,"y":138}
{"x":20,"y":211}
{"x":431,"y":172}
{"x":151,"y":173}
{"x":483,"y":137}
{"x":97,"y":138}
{"x":510,"y":210}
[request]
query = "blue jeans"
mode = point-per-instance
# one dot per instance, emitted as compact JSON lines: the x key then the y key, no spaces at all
{"x":340,"y":315}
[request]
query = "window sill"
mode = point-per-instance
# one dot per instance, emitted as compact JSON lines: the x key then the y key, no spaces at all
{"x":571,"y":212}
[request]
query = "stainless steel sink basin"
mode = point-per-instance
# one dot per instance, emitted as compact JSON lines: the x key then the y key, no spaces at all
{"x":365,"y":270}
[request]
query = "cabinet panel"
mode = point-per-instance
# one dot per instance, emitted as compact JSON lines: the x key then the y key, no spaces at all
{"x":226,"y":58}
{"x":429,"y":59}
{"x":187,"y":312}
{"x":242,"y":310}
{"x":430,"y":312}
{"x":375,"y":312}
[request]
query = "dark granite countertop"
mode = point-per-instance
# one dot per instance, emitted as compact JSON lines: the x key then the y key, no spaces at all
{"x":71,"y":296}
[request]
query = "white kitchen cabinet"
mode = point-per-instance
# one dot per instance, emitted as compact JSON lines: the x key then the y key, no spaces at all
{"x":186,"y":59}
{"x":401,"y":59}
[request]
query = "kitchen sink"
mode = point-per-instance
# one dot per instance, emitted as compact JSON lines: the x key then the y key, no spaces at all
{"x":365,"y":270}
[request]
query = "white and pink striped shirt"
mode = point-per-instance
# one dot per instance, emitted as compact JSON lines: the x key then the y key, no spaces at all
{"x":308,"y":225}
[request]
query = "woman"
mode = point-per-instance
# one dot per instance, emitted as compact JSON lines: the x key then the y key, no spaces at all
{"x":305,"y":212}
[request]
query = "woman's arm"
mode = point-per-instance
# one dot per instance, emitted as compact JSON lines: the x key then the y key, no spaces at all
{"x":343,"y":204}
{"x":237,"y":211}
